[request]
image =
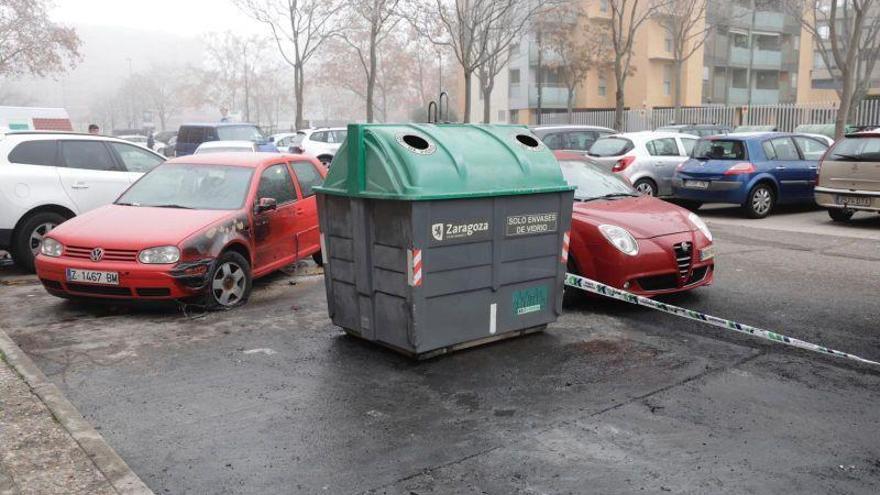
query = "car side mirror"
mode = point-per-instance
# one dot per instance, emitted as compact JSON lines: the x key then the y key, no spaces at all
{"x":266,"y":204}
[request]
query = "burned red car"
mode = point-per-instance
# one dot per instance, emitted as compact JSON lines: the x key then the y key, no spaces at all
{"x":637,"y":243}
{"x":199,"y":226}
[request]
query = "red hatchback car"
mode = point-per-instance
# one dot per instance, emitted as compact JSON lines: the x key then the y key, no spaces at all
{"x":200,"y":225}
{"x":636,"y":243}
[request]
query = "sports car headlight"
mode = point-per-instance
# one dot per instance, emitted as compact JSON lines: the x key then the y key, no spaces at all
{"x":51,"y":247}
{"x":700,"y":224}
{"x":159,"y":255}
{"x":620,"y":238}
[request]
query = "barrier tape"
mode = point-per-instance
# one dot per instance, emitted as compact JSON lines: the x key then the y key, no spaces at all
{"x":594,"y":287}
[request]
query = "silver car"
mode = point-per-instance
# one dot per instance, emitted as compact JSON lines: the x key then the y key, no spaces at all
{"x":648,"y":159}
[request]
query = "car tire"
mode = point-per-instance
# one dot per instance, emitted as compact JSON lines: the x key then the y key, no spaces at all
{"x":29,"y":235}
{"x":760,"y":201}
{"x":318,"y":258}
{"x":646,"y":187}
{"x":841,"y":214}
{"x":229,"y":282}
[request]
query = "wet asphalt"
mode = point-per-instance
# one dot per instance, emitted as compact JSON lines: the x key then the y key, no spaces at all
{"x":271,"y":398}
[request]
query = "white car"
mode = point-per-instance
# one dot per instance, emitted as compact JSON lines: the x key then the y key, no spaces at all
{"x":284,"y":140}
{"x":49,"y":177}
{"x":321,"y":143}
{"x":226,"y":146}
{"x":647,"y":159}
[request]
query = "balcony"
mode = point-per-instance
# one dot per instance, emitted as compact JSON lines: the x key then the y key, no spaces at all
{"x":763,"y":59}
{"x":526,"y":96}
{"x":764,"y":20}
{"x":740,"y":96}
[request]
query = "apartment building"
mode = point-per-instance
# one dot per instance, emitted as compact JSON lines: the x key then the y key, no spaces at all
{"x":651,"y":85}
{"x":751,"y":54}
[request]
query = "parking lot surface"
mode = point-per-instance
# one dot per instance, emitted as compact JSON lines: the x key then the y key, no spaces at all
{"x":271,"y":398}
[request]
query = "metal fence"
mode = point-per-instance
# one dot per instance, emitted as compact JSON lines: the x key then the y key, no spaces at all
{"x":785,"y":117}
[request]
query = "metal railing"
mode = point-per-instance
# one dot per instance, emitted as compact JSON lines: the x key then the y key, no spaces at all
{"x":784,"y":116}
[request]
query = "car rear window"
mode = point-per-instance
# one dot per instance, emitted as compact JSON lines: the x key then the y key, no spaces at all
{"x":720,"y":149}
{"x":856,"y":149}
{"x":610,"y":146}
{"x":35,"y":153}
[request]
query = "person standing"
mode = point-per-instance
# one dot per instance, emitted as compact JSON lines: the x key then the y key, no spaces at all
{"x":94,"y":129}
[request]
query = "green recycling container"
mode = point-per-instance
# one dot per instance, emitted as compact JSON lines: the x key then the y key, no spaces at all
{"x":442,"y":236}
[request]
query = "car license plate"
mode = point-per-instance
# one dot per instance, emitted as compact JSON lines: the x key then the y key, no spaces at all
{"x":92,"y":277}
{"x":696,"y":184}
{"x":853,"y":200}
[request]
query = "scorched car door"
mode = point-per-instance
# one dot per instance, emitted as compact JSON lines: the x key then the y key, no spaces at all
{"x":308,"y":178}
{"x":274,"y":230}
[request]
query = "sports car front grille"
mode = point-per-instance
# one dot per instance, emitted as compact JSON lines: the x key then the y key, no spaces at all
{"x":109,"y":254}
{"x":684,"y":255}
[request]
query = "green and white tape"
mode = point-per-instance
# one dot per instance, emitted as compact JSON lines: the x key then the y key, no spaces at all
{"x":594,"y":287}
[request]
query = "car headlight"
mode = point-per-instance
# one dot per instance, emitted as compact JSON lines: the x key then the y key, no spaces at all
{"x":159,"y":255}
{"x":620,"y":238}
{"x":700,"y":224}
{"x":51,"y":247}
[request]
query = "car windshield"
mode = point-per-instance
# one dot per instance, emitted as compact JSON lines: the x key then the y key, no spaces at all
{"x":240,"y":133}
{"x":199,"y":187}
{"x":592,"y":182}
{"x":610,"y":146}
{"x":860,"y":149}
{"x":719,"y":149}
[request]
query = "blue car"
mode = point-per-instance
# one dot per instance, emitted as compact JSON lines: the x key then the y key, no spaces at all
{"x":754,"y":170}
{"x":190,"y":136}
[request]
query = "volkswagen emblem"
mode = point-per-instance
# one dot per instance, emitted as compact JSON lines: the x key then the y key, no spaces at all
{"x":97,"y":254}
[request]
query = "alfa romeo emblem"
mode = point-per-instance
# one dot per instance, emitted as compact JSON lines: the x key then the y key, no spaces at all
{"x":97,"y":254}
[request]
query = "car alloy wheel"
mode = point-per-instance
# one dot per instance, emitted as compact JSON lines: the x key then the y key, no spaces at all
{"x":645,"y":188}
{"x":760,"y":201}
{"x":229,"y":284}
{"x":37,"y":235}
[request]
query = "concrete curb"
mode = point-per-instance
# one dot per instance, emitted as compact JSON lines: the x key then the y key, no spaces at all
{"x":123,"y":480}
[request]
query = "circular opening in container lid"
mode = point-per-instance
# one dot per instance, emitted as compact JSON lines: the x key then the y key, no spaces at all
{"x":416,"y":144}
{"x":528,"y":142}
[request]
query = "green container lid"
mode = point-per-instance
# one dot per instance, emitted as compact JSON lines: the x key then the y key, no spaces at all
{"x":415,"y":162}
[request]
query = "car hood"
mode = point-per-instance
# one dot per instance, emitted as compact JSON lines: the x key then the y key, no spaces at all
{"x":135,"y":227}
{"x":644,"y":217}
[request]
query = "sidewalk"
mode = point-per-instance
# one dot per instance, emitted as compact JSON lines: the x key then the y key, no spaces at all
{"x":46,"y":447}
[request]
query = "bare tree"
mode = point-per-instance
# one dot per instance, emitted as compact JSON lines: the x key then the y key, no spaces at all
{"x":475,"y":31}
{"x":161,"y":89}
{"x":576,"y":45}
{"x":685,"y":23}
{"x":368,"y":23}
{"x":30,"y":43}
{"x":846,"y":34}
{"x":299,"y":28}
{"x":627,"y":16}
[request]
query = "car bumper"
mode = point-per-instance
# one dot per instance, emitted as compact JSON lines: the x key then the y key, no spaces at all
{"x":655,"y":271}
{"x":136,"y":281}
{"x":828,"y":198}
{"x":718,"y":191}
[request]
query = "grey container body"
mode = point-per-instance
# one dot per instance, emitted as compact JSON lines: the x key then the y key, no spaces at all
{"x":490,"y":268}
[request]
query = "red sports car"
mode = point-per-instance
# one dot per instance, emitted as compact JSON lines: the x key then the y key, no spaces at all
{"x":637,"y":243}
{"x":199,"y":225}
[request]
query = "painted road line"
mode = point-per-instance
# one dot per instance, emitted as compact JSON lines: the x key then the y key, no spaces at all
{"x":594,"y":287}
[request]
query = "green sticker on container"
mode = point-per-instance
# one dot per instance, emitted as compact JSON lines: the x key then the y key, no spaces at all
{"x":529,"y":300}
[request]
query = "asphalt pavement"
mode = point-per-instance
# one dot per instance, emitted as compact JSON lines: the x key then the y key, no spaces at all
{"x":271,"y":398}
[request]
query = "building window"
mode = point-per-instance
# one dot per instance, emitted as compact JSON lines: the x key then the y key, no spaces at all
{"x":738,"y":79}
{"x":603,"y":86}
{"x":705,"y":73}
{"x":793,"y":79}
{"x":514,"y":76}
{"x":603,"y":5}
{"x":667,"y":80}
{"x":740,"y":40}
{"x":668,"y":43}
{"x":514,"y":116}
{"x":824,"y":31}
{"x":501,"y":115}
{"x":766,"y":79}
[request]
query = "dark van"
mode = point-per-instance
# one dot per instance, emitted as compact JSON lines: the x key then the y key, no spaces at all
{"x":190,"y":136}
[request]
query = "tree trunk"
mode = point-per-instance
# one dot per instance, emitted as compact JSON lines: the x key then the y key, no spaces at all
{"x":298,"y":94}
{"x":570,"y":104}
{"x":371,"y":78}
{"x":619,"y":80}
{"x":843,"y":110}
{"x":468,"y":76}
{"x":676,"y":81}
{"x":487,"y":103}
